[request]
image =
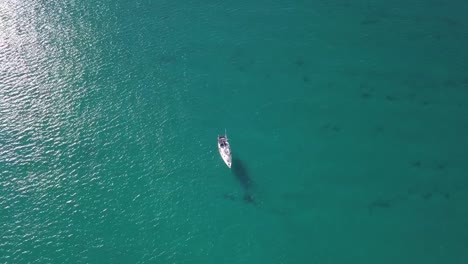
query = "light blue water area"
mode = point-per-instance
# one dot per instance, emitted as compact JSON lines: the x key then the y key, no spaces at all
{"x":347,"y":122}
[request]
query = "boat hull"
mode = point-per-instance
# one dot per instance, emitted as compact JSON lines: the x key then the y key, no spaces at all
{"x":225,"y":151}
{"x":226,"y":158}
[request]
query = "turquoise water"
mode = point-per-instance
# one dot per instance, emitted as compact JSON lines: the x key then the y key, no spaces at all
{"x":347,"y":121}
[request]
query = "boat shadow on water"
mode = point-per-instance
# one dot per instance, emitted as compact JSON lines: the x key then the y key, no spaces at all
{"x":243,"y":177}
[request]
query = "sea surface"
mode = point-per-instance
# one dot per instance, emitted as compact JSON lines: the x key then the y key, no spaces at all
{"x":348,"y":122}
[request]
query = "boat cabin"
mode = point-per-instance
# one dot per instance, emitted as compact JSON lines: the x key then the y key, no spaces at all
{"x":222,"y":141}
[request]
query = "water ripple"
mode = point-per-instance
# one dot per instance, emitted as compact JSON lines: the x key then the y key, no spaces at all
{"x":96,"y":136}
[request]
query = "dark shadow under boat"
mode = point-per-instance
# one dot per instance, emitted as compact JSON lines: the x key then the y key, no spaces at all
{"x":242,"y":176}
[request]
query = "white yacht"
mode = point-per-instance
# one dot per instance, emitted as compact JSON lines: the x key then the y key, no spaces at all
{"x":225,"y":149}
